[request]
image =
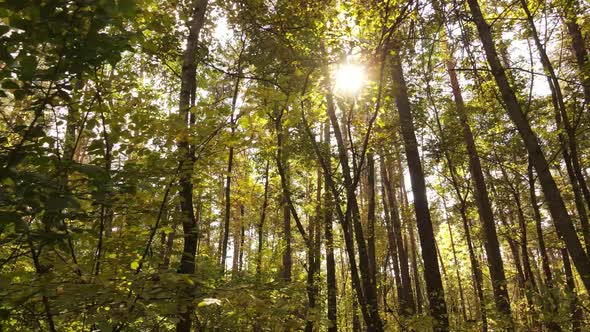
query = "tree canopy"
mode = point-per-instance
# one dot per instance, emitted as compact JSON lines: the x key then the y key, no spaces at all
{"x":282,"y":165}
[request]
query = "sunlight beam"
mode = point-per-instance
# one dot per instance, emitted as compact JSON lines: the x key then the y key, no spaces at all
{"x":349,"y":79}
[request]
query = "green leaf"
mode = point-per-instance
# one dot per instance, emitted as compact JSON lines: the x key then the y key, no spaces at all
{"x":57,"y":203}
{"x":28,"y":67}
{"x":127,"y":7}
{"x":7,"y":217}
{"x":9,"y":84}
{"x":209,"y":301}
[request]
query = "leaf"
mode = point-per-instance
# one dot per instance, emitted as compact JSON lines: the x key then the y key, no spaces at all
{"x":209,"y":301}
{"x":19,"y":94}
{"x":135,"y":265}
{"x":9,"y":85}
{"x":7,"y":217}
{"x":57,"y":203}
{"x":28,"y":67}
{"x":127,"y":7}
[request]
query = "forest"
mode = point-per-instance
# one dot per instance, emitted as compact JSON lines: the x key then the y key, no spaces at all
{"x":294,"y":165}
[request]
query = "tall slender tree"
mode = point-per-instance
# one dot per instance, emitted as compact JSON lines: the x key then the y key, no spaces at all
{"x":187,"y":151}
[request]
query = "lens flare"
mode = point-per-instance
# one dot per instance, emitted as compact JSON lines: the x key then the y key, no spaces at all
{"x":349,"y":79}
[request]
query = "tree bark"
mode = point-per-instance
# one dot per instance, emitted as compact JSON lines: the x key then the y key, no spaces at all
{"x":457,"y":265}
{"x":578,"y":47}
{"x":551,"y":302}
{"x":575,"y":309}
{"x":187,"y":88}
{"x":406,"y":215}
{"x":227,"y":213}
{"x":287,"y":256}
{"x":228,"y":175}
{"x":434,"y":287}
{"x":368,"y":293}
{"x":331,"y":288}
{"x":371,"y":217}
{"x":405,"y":299}
{"x":481,"y":196}
{"x":313,"y":255}
{"x":391,"y":241}
{"x":262,"y":220}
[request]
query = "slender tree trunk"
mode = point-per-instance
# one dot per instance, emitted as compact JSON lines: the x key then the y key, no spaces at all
{"x":552,"y":194}
{"x":228,"y":175}
{"x":575,"y":309}
{"x":286,"y":271}
{"x":238,"y":241}
{"x":356,"y":322}
{"x":40,"y":270}
{"x":520,"y":278}
{"x":415,"y":269}
{"x":391,"y":241}
{"x":578,"y":47}
{"x":457,"y":265}
{"x":529,"y":279}
{"x":371,"y":217}
{"x":451,"y":295}
{"x":475,"y":266}
{"x":331,"y":288}
{"x":405,"y":299}
{"x":366,"y":292}
{"x":551,"y":302}
{"x":313,"y":259}
{"x":527,"y":271}
{"x":168,"y":246}
{"x":287,"y":256}
{"x":262,"y":220}
{"x":481,"y":197}
{"x":227,"y":211}
{"x":187,"y":88}
{"x":406,"y":215}
{"x":526,"y":262}
{"x":432,"y":275}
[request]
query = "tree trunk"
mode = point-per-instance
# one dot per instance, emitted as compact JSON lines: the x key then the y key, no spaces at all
{"x":367,"y":292}
{"x":287,"y":256}
{"x":405,"y":299}
{"x":481,"y":197}
{"x":391,"y":241}
{"x":575,"y":309}
{"x":432,"y":275}
{"x":552,"y":194}
{"x":187,"y":88}
{"x":406,"y":215}
{"x":457,"y":265}
{"x":227,"y":213}
{"x":568,"y":143}
{"x":551,"y":302}
{"x":238,"y":241}
{"x":313,"y":257}
{"x":578,"y":47}
{"x":475,"y":266}
{"x":261,"y":223}
{"x":371,"y":217}
{"x":228,"y":175}
{"x":331,"y":288}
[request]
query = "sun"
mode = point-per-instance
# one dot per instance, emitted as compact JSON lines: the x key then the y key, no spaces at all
{"x":349,"y":78}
